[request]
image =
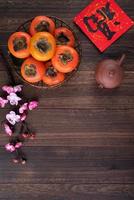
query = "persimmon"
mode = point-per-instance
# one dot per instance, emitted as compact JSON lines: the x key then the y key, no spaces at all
{"x":51,"y":75}
{"x":42,"y":24}
{"x":66,"y":59}
{"x":32,"y":70}
{"x":42,"y":46}
{"x":64,"y":37}
{"x":18,"y":44}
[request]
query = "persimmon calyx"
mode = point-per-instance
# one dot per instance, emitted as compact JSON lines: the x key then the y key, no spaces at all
{"x":62,"y":38}
{"x":50,"y":71}
{"x":42,"y":26}
{"x":66,"y":58}
{"x":30,"y":70}
{"x":43,"y":45}
{"x":19,"y":43}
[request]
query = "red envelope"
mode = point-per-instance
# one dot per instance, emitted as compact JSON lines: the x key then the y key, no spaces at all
{"x":103,"y":21}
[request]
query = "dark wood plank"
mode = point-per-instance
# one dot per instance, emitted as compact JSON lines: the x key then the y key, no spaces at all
{"x":71,"y":165}
{"x":68,"y":191}
{"x":89,"y":139}
{"x":81,"y":120}
{"x":82,"y":85}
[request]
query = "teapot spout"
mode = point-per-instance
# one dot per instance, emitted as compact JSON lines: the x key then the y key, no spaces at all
{"x":121,"y":59}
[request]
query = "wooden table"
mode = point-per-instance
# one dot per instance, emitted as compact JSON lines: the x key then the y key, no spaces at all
{"x":84,"y":148}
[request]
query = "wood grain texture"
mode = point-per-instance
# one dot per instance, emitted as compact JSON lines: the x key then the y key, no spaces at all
{"x":84,"y":147}
{"x":68,"y":191}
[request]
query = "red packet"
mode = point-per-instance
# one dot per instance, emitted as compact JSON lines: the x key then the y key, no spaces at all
{"x":103,"y":21}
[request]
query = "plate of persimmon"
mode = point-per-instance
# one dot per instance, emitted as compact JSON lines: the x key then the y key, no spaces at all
{"x":44,"y":51}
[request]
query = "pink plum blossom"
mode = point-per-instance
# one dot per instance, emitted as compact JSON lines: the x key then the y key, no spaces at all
{"x":8,"y":130}
{"x":13,"y":99}
{"x":12,"y":117}
{"x":18,"y":145}
{"x":3,"y":102}
{"x":23,"y":108}
{"x":32,"y":105}
{"x":23,"y":117}
{"x":15,"y":160}
{"x":18,"y":88}
{"x":10,"y":147}
{"x":8,"y":89}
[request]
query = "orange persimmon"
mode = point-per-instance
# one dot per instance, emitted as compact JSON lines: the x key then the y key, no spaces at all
{"x":32,"y":70}
{"x":51,"y":75}
{"x":42,"y":46}
{"x":42,"y":24}
{"x":18,"y":44}
{"x":66,"y":59}
{"x":64,"y":37}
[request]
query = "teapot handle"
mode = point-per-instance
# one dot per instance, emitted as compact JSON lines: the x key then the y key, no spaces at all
{"x":121,"y":60}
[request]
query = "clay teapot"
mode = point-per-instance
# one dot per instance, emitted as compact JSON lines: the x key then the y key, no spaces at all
{"x":109,"y":73}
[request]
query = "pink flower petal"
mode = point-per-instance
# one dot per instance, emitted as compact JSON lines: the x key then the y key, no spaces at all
{"x":23,"y":108}
{"x":13,"y":98}
{"x":8,"y":130}
{"x":12,"y":117}
{"x":18,"y":88}
{"x":32,"y":105}
{"x":10,"y":147}
{"x":18,"y":145}
{"x":23,"y":117}
{"x":3,"y":102}
{"x":7,"y":89}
